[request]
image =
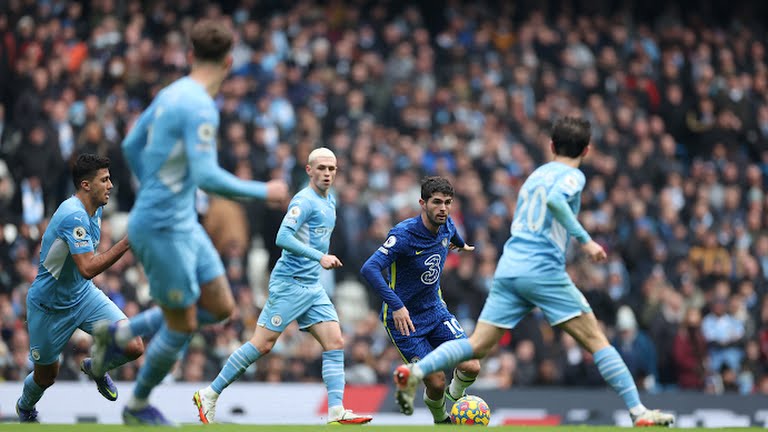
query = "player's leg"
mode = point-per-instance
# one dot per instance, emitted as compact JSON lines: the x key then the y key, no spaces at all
{"x":216,"y":302}
{"x":98,"y":308}
{"x":503,"y":309}
{"x":322,"y":321}
{"x":170,"y":262}
{"x":284,"y":305}
{"x":565,"y":307}
{"x":49,"y":331}
{"x":587,"y":333}
{"x":466,"y":372}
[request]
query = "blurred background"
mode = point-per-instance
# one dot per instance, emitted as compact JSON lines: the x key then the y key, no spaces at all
{"x":677,"y":94}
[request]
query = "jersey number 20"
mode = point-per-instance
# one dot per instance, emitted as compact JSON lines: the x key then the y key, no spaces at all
{"x":533,"y":207}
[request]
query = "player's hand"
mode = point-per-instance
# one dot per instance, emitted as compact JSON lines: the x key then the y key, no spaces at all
{"x":466,"y":248}
{"x":403,"y":322}
{"x":594,"y":251}
{"x":277,"y":192}
{"x":330,"y":262}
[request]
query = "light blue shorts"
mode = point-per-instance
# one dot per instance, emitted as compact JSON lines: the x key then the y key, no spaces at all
{"x":176,"y":263}
{"x":50,"y":329}
{"x":289,"y":300}
{"x":511,"y":299}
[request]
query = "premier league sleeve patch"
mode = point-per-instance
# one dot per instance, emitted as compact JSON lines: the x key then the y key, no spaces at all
{"x":79,"y":233}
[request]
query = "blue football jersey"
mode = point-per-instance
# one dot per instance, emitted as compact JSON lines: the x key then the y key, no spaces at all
{"x":172,"y":151}
{"x":310,"y":219}
{"x":538,"y":241}
{"x":413,"y":258}
{"x":59,"y":284}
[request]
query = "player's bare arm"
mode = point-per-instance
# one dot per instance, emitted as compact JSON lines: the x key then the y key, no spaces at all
{"x":90,"y":264}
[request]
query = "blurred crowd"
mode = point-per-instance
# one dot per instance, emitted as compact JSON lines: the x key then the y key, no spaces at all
{"x":676,"y":176}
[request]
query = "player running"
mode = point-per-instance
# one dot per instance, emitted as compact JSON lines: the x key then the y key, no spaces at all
{"x":62,"y":297}
{"x":414,"y":314}
{"x":531,"y":273}
{"x":172,"y":151}
{"x":295,"y":293}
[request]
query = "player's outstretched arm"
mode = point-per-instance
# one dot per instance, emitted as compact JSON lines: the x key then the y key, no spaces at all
{"x":200,"y":142}
{"x":91,"y":265}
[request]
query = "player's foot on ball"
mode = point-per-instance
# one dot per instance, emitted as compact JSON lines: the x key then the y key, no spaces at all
{"x":104,"y":383}
{"x":206,"y":405}
{"x":405,"y":388}
{"x":148,"y":415}
{"x":653,"y":418}
{"x":348,"y":417}
{"x":104,"y":347}
{"x":26,"y":416}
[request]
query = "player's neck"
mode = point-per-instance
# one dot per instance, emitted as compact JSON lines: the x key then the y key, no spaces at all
{"x":429,"y":225}
{"x":572,"y":162}
{"x":322,"y":193}
{"x":90,"y":207}
{"x":207,"y":78}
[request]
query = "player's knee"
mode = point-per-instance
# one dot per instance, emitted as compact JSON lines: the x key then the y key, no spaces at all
{"x":134,"y":349}
{"x":470,"y":367}
{"x":435,"y":381}
{"x":336,"y":343}
{"x":45,"y":379}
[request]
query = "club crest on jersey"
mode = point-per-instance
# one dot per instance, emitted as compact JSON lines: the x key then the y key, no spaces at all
{"x":276,"y":320}
{"x":445,"y":242}
{"x":391,"y":240}
{"x":79,"y":233}
{"x":35,"y":354}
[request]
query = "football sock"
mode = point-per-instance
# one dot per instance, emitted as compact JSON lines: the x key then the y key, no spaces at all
{"x":146,"y":324}
{"x":31,"y":393}
{"x":236,"y":364}
{"x":459,"y":383}
{"x":444,"y":356}
{"x":615,"y":373}
{"x":436,"y":407}
{"x":333,"y":376}
{"x":160,"y":357}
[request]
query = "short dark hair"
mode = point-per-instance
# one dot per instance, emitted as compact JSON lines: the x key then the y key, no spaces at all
{"x":86,"y":166}
{"x":211,"y":40}
{"x":570,"y":136}
{"x":433,"y":185}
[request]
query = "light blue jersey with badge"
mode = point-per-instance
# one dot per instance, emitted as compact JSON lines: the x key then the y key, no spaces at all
{"x":311,"y":219}
{"x":538,"y":240}
{"x":172,"y":151}
{"x":59,"y":284}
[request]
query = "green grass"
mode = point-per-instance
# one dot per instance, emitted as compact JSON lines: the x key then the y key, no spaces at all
{"x":272,"y":428}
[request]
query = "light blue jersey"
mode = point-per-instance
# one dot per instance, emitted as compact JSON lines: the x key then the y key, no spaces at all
{"x":172,"y":151}
{"x":59,"y":284}
{"x":60,"y":299}
{"x":310,"y":219}
{"x":538,"y":240}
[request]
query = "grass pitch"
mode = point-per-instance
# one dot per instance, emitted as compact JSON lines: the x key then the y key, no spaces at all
{"x":15,"y":427}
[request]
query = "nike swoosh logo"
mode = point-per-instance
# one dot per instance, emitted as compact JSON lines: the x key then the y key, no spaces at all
{"x":419,"y":252}
{"x":112,"y":393}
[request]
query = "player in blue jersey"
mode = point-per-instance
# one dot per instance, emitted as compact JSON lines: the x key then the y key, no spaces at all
{"x":62,"y":297}
{"x":172,"y":151}
{"x":295,"y":293}
{"x":531,"y":273}
{"x":414,"y":314}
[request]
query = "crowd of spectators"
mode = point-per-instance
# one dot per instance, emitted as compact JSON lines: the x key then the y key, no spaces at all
{"x":676,"y":176}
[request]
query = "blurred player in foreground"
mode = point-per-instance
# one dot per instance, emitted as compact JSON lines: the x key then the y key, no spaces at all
{"x":295,"y":293}
{"x":172,"y":151}
{"x":414,"y":314}
{"x":531,"y":273}
{"x":63,"y":298}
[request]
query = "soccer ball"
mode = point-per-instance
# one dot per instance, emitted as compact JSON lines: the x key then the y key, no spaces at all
{"x":470,"y":410}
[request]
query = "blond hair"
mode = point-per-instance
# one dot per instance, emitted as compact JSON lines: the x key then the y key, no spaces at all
{"x":319,"y":152}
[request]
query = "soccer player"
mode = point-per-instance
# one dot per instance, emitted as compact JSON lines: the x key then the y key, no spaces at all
{"x":62,"y":297}
{"x":414,"y":314}
{"x":295,"y":293}
{"x":172,"y":151}
{"x":531,"y":273}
